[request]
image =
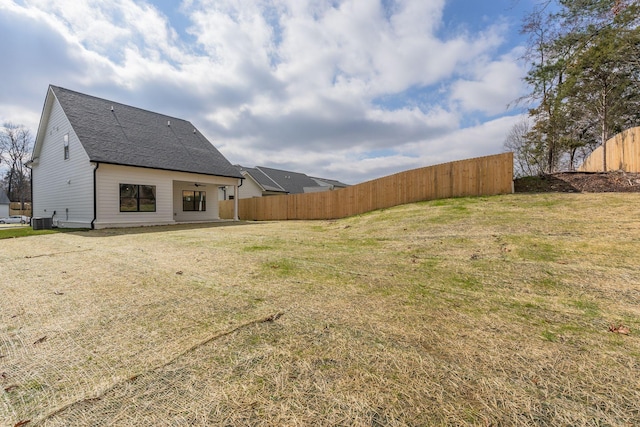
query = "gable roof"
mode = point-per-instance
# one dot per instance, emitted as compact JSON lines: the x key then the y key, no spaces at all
{"x":291,"y":182}
{"x":278,"y":180}
{"x":119,"y":134}
{"x":263,"y":180}
{"x":4,"y":199}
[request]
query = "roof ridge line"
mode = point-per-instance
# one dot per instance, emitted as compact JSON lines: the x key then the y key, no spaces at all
{"x":272,"y":180}
{"x":122,"y":104}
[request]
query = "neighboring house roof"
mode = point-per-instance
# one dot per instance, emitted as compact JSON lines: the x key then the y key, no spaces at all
{"x":291,"y":182}
{"x":119,"y":134}
{"x":260,"y":178}
{"x":330,"y":182}
{"x":278,"y":180}
{"x":4,"y":199}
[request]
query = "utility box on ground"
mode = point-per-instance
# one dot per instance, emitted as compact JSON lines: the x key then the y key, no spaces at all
{"x":45,"y":223}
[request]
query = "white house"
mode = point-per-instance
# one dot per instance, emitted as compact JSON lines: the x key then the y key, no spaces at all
{"x":98,"y":163}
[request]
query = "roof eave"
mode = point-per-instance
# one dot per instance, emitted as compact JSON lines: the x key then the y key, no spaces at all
{"x":42,"y":125}
{"x":166,"y":169}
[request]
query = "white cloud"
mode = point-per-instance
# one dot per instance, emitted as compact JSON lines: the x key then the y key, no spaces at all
{"x":278,"y":82}
{"x":19,"y":115}
{"x":109,"y":27}
{"x":494,"y":84}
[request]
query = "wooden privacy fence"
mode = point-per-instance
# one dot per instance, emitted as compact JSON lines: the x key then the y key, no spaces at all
{"x":623,"y":153}
{"x":15,"y":208}
{"x":473,"y":177}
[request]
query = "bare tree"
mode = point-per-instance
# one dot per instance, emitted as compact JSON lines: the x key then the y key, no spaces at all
{"x":2,"y":161}
{"x":528,"y":158}
{"x":15,"y":145}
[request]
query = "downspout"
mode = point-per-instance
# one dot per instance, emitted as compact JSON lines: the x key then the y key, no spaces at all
{"x":28,"y":165}
{"x":31,"y":196}
{"x":95,"y":200}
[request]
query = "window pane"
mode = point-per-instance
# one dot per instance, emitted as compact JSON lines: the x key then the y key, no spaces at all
{"x":202,"y":201}
{"x":128,"y":190}
{"x":194,"y":201}
{"x":188,"y":200}
{"x":128,"y":204}
{"x":147,"y":198}
{"x":66,"y":146}
{"x":137,"y":198}
{"x":148,"y":191}
{"x":128,"y":198}
{"x":147,"y":205}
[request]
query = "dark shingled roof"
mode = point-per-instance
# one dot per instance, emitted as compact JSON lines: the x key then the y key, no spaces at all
{"x":282,"y":181}
{"x":335,"y":183}
{"x":131,"y":136}
{"x":265,"y":182}
{"x":291,"y":182}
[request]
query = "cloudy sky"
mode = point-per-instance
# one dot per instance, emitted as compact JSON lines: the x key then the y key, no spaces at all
{"x":344,"y":89}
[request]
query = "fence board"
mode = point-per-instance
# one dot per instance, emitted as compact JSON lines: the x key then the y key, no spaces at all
{"x":622,"y":152}
{"x":16,"y":208}
{"x":473,"y":177}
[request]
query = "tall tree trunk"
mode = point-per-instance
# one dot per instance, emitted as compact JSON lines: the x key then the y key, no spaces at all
{"x":605,"y":135}
{"x":550,"y":155}
{"x":10,"y":182}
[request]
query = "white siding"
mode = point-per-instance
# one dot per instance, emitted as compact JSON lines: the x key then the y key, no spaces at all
{"x":211,"y":193}
{"x":169,"y":186}
{"x":63,"y":187}
{"x":4,"y":210}
{"x":249,"y":189}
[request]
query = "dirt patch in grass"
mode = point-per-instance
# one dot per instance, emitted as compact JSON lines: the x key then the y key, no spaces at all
{"x":575,"y":182}
{"x":510,"y":310}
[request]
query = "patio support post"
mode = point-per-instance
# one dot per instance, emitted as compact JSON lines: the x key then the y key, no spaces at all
{"x":235,"y":203}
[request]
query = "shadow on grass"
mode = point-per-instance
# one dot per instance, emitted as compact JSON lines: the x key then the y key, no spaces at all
{"x":125,"y":231}
{"x":110,"y":232}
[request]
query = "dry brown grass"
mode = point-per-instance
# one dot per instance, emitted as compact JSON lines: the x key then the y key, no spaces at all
{"x":481,"y":311}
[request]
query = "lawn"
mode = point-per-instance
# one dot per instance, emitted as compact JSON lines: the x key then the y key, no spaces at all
{"x":508,"y":310}
{"x":26,"y":230}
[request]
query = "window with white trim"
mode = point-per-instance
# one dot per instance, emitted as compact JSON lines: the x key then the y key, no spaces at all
{"x":65,"y":143}
{"x":137,"y":198}
{"x":194,"y":201}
